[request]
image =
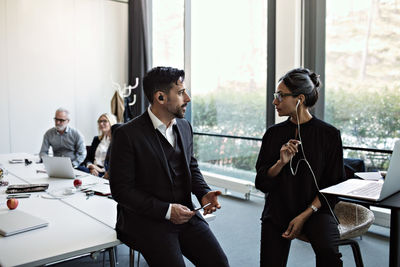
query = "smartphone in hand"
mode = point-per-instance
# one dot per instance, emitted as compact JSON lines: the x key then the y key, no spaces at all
{"x":206,"y":205}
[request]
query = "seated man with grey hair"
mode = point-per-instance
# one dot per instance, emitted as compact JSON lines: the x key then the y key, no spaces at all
{"x":64,"y":140}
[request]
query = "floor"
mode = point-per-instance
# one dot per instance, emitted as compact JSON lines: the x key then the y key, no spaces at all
{"x":237,"y":227}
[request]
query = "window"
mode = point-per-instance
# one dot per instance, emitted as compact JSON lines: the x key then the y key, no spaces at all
{"x":168,"y":33}
{"x":228,"y":66}
{"x":363,"y":71}
{"x":228,"y":83}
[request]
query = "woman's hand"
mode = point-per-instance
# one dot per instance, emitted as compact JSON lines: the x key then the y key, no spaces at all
{"x":94,"y":169}
{"x":288,"y":150}
{"x":94,"y":172}
{"x":295,"y":227}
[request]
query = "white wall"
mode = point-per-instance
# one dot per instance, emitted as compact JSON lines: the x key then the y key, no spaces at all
{"x":4,"y":122}
{"x":58,"y":53}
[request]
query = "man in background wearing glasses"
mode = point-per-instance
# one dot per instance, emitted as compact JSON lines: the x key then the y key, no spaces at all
{"x":64,"y":140}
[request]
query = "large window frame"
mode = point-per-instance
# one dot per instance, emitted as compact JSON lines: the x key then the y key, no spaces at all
{"x":271,"y":70}
{"x":313,"y":57}
{"x":311,"y":47}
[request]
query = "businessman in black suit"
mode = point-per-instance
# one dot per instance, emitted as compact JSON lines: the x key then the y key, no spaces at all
{"x":152,"y":175}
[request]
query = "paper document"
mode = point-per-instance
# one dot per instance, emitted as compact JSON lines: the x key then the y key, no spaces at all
{"x":101,"y":189}
{"x":369,"y":175}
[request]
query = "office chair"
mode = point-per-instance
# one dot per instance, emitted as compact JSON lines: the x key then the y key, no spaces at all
{"x":355,"y":221}
{"x":132,"y":258}
{"x":352,"y":165}
{"x":112,"y":256}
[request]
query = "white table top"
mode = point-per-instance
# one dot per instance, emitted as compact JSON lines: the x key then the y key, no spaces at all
{"x":69,"y":233}
{"x":76,"y":225}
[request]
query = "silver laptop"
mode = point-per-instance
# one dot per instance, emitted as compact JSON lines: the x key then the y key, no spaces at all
{"x":59,"y":167}
{"x":15,"y":221}
{"x":372,"y":190}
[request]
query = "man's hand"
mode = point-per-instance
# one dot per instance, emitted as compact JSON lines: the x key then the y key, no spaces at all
{"x":211,"y":197}
{"x":180,"y":214}
{"x":295,"y":227}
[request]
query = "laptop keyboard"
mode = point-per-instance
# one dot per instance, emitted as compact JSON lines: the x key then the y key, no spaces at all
{"x":368,"y":190}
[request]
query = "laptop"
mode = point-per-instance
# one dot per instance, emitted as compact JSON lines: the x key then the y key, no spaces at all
{"x":59,"y":167}
{"x":15,"y":221}
{"x":368,"y":189}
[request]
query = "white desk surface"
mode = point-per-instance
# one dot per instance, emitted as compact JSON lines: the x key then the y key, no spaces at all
{"x":77,"y":225}
{"x":73,"y":227}
{"x":99,"y":207}
{"x":69,"y":233}
{"x":4,"y":158}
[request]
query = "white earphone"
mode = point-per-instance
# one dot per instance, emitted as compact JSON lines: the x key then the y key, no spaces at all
{"x":298,"y":103}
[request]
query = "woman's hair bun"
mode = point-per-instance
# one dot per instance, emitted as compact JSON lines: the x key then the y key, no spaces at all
{"x":315,"y":79}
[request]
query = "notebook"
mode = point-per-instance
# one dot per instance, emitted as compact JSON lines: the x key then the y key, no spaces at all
{"x":369,"y":175}
{"x":15,"y":221}
{"x":59,"y":167}
{"x":101,"y":189}
{"x":372,"y":190}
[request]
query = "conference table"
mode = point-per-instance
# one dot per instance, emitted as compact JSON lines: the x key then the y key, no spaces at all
{"x":78,"y":225}
{"x":392,"y":203}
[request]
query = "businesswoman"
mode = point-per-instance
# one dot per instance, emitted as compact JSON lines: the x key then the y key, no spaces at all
{"x":297,"y":158}
{"x":94,"y":162}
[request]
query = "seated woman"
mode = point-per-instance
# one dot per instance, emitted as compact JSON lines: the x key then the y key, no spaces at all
{"x":94,"y":162}
{"x":297,"y":158}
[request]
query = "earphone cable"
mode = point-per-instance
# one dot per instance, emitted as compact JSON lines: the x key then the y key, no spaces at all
{"x":312,"y":172}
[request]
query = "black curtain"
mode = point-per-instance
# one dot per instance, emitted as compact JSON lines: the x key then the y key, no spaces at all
{"x":139,"y":57}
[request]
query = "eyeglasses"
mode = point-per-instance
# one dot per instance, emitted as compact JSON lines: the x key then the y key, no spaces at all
{"x":60,"y":120}
{"x":279,"y":96}
{"x":102,"y":121}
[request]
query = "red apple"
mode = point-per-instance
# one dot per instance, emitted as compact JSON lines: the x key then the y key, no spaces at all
{"x":12,"y":203}
{"x":77,"y":183}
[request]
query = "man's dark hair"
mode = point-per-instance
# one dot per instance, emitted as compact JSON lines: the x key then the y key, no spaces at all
{"x":161,"y":79}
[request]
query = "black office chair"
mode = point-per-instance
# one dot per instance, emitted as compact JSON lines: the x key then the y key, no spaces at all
{"x":352,"y":166}
{"x":132,"y":258}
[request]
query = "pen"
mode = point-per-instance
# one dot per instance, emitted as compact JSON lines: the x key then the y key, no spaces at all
{"x":89,"y":194}
{"x":196,"y":209}
{"x":19,"y":196}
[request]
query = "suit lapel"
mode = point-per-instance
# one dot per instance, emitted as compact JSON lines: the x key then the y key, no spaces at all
{"x":154,"y":141}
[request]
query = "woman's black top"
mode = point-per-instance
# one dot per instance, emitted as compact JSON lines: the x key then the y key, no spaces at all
{"x":91,"y":151}
{"x":287,"y":195}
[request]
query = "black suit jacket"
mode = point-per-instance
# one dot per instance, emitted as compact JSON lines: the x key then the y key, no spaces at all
{"x":91,"y":151}
{"x":140,"y":178}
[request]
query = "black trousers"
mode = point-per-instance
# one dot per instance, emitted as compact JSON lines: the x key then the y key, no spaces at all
{"x":320,"y":229}
{"x":194,"y":240}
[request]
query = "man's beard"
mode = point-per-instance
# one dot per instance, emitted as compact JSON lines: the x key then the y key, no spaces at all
{"x":61,"y":128}
{"x":179,"y":112}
